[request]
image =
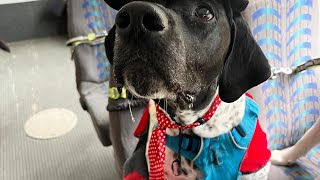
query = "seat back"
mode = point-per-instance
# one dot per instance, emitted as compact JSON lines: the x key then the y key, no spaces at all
{"x":87,"y":21}
{"x":288,"y":33}
{"x":86,"y":17}
{"x":93,"y":77}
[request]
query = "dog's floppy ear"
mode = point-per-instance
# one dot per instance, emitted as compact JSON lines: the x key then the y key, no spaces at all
{"x":109,"y":43}
{"x":246,"y":65}
{"x":116,"y":4}
{"x":239,"y":5}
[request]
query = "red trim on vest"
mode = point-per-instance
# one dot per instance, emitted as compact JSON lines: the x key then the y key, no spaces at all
{"x":258,"y":154}
{"x":143,"y":122}
{"x":249,"y":95}
{"x":134,"y":176}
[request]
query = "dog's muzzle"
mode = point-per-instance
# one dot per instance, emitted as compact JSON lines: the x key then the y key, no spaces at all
{"x":141,"y":17}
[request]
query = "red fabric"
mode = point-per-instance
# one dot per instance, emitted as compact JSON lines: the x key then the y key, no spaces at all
{"x":258,"y":153}
{"x":157,"y":143}
{"x":134,"y":176}
{"x":143,"y":122}
{"x":249,"y":95}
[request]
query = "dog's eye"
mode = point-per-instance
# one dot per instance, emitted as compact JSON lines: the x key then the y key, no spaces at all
{"x":204,"y":14}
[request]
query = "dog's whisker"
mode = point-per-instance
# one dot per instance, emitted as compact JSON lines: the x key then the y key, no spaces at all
{"x":130,"y":110}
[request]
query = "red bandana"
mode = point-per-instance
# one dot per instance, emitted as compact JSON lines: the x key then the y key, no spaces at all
{"x":157,"y":143}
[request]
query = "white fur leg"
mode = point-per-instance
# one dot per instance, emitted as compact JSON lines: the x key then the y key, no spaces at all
{"x":262,"y":174}
{"x":284,"y":157}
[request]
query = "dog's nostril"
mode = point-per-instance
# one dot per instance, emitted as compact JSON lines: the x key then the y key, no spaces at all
{"x":152,"y":22}
{"x":123,"y":20}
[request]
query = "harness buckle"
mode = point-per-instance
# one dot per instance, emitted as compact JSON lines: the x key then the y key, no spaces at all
{"x":201,"y":120}
{"x":190,"y":143}
{"x":280,"y":70}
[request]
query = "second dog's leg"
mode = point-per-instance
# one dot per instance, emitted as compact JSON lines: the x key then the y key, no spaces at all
{"x":286,"y":156}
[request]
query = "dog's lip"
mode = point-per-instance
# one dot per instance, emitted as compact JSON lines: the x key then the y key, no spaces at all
{"x":138,"y":62}
{"x":162,"y":93}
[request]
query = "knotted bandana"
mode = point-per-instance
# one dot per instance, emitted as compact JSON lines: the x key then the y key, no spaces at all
{"x":157,"y":144}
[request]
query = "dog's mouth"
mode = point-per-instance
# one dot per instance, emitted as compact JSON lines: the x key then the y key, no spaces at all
{"x":145,"y":80}
{"x":159,"y":74}
{"x":156,"y":91}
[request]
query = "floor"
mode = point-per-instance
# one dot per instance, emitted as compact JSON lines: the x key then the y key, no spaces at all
{"x":36,"y":76}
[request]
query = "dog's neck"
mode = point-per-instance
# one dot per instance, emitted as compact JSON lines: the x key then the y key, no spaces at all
{"x":204,"y":98}
{"x":227,"y":116}
{"x":192,"y":115}
{"x":201,"y":105}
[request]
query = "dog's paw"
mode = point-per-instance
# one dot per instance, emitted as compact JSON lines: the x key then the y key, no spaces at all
{"x":283,"y":157}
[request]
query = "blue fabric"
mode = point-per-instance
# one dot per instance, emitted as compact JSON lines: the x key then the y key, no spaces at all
{"x":220,"y":158}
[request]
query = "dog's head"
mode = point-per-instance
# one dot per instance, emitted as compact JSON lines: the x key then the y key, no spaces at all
{"x":182,"y":50}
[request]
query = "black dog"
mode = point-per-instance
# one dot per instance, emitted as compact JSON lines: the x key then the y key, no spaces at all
{"x":184,"y":51}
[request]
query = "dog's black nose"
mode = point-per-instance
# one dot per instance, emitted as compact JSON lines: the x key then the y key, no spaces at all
{"x":141,"y":17}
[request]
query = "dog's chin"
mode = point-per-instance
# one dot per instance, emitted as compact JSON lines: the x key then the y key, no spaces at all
{"x":155,"y":90}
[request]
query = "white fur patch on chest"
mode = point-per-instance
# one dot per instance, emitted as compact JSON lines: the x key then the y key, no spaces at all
{"x":227,"y":116}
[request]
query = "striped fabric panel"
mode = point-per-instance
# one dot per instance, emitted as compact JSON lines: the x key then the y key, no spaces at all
{"x":289,"y":104}
{"x":302,"y":170}
{"x":100,"y":18}
{"x":314,"y":155}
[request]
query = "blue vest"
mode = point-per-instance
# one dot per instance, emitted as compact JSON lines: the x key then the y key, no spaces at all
{"x":220,"y":157}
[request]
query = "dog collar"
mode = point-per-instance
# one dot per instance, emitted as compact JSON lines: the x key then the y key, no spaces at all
{"x":156,"y":152}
